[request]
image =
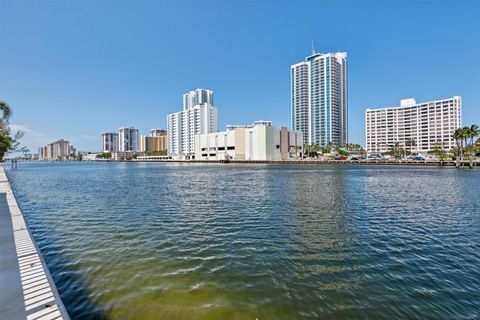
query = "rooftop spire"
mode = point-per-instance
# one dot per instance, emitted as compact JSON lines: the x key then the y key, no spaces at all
{"x":313,"y":48}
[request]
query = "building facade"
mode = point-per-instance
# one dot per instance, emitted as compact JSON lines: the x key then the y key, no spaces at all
{"x":418,"y":127}
{"x":319,"y":98}
{"x":109,"y":142}
{"x":199,"y":116}
{"x":128,"y":139}
{"x":153,"y":144}
{"x":157,"y":132}
{"x":259,"y":141}
{"x":57,"y":150}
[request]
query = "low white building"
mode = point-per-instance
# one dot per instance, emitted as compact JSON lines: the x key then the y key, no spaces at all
{"x":259,"y":141}
{"x":90,"y":157}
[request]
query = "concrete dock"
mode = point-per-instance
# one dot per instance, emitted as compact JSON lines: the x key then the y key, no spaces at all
{"x":27,"y":290}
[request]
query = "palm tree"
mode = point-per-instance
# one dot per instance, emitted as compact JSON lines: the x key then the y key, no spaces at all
{"x":395,"y":149}
{"x":458,"y":135}
{"x":461,"y":135}
{"x":411,"y":142}
{"x":473,"y":132}
{"x":6,"y":114}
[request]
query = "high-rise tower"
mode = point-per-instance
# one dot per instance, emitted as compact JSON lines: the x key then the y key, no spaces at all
{"x":319,"y":98}
{"x":199,"y":116}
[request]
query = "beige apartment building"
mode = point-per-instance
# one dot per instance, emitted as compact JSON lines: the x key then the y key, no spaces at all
{"x":156,"y":142}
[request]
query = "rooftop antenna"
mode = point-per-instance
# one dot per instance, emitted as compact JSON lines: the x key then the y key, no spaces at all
{"x":313,"y":49}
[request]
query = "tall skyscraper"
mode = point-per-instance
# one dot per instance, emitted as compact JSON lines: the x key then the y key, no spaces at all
{"x":128,"y":139}
{"x":319,"y":98}
{"x":417,"y":127}
{"x":109,"y":141}
{"x":199,"y":116}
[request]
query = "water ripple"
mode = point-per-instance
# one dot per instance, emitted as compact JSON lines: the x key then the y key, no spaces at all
{"x":184,"y":241}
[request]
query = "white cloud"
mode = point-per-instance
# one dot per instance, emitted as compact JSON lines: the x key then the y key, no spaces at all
{"x":20,"y":127}
{"x":32,"y":139}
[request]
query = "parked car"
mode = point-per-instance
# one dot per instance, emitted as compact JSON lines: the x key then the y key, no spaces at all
{"x":419,"y":158}
{"x":355,"y":158}
{"x":341,"y":158}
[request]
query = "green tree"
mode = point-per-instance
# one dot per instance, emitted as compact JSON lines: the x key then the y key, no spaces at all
{"x":311,"y":150}
{"x":8,"y":142}
{"x":473,"y":132}
{"x":104,"y":155}
{"x":461,"y":135}
{"x":439,"y":151}
{"x":396,"y":150}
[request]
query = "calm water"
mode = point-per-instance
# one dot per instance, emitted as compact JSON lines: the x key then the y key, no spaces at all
{"x":176,"y":241}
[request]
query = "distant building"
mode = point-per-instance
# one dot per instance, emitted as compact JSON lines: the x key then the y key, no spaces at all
{"x":128,"y":139}
{"x":199,"y":116}
{"x":90,"y":157}
{"x":57,"y":150}
{"x":110,"y":141}
{"x":153,"y":144}
{"x":123,"y":155}
{"x":428,"y":124}
{"x":319,"y":98}
{"x":259,"y":141}
{"x":157,"y":132}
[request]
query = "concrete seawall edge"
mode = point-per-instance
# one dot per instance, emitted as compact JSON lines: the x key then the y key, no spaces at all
{"x":40,"y":295}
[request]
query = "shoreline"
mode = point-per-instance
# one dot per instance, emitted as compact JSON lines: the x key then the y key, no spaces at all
{"x":428,"y":163}
{"x":30,"y":292}
{"x":409,"y":163}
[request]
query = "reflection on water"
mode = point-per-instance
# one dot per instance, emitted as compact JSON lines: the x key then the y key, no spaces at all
{"x":179,"y":241}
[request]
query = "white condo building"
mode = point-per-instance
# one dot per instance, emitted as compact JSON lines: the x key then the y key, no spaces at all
{"x":109,"y":141}
{"x":199,"y":116}
{"x":259,"y":141}
{"x":319,"y":98}
{"x":429,"y":124}
{"x":128,"y":139}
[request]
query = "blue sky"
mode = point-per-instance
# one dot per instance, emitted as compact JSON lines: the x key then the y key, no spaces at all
{"x":74,"y":69}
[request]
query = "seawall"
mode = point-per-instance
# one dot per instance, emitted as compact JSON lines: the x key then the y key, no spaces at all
{"x":27,"y":288}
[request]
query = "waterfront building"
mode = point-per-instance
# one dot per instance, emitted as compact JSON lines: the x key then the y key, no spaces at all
{"x":123,"y":155}
{"x":57,"y":150}
{"x":109,"y":141}
{"x":157,"y":132}
{"x":319,"y":98}
{"x":199,"y":116}
{"x":418,"y":127}
{"x":258,"y":141}
{"x":90,"y":157}
{"x":128,"y":139}
{"x":72,"y":151}
{"x":153,"y":144}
